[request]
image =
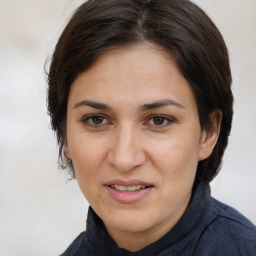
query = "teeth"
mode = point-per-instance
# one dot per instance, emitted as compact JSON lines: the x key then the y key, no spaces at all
{"x":127,"y":189}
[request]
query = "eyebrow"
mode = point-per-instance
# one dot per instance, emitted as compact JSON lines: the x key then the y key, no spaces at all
{"x":93,"y":104}
{"x":144,"y":107}
{"x":161,"y":103}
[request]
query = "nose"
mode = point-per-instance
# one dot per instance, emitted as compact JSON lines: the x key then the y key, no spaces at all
{"x":126,"y":151}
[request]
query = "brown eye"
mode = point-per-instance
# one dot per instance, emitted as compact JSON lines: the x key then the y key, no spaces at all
{"x":97,"y":119}
{"x":158,"y":120}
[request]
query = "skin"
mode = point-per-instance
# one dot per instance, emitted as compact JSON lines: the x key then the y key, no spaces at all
{"x":126,"y":140}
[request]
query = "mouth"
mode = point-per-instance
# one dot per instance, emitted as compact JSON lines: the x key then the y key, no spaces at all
{"x":128,"y":188}
{"x":127,"y":192}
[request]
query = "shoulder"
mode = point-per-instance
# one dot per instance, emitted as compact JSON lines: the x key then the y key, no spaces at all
{"x":238,"y":225}
{"x":229,"y":233}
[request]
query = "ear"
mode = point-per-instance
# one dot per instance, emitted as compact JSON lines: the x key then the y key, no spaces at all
{"x":66,"y":151}
{"x":210,"y":135}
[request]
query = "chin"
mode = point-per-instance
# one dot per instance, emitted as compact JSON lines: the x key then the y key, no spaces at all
{"x":129,"y":222}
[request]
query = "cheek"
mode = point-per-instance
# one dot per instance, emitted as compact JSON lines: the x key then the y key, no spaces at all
{"x":177,"y":157}
{"x":87,"y":154}
{"x":87,"y":159}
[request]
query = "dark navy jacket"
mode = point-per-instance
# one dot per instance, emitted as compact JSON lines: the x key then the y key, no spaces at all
{"x":208,"y":228}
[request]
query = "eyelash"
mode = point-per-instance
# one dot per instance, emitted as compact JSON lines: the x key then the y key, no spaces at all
{"x":88,"y":121}
{"x":167,"y":121}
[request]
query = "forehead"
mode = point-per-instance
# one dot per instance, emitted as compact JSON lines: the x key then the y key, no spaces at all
{"x":133,"y":60}
{"x":141,"y":72}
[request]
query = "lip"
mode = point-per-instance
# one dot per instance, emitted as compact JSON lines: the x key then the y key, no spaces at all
{"x":128,"y":183}
{"x":128,"y":197}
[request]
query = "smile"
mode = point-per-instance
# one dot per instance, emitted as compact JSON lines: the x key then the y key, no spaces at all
{"x":128,"y":192}
{"x":127,"y":189}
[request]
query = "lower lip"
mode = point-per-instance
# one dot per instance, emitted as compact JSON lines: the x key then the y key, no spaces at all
{"x":128,"y":197}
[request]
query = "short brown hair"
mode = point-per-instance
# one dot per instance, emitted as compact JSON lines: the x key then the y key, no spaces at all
{"x":178,"y":26}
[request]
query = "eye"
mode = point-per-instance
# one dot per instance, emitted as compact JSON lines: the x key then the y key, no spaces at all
{"x":95,"y":121}
{"x":160,"y":121}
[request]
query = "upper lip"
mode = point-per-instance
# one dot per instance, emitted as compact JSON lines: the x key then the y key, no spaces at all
{"x":127,"y":183}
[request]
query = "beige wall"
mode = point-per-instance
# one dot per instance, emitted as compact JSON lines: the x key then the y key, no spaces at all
{"x":40,"y":212}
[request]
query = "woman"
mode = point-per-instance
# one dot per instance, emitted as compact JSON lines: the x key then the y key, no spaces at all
{"x":140,"y":99}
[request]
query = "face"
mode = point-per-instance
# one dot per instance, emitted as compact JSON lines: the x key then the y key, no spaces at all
{"x":134,"y":137}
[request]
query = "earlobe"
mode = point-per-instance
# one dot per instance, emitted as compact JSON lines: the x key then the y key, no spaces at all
{"x":210,"y":136}
{"x":66,"y":151}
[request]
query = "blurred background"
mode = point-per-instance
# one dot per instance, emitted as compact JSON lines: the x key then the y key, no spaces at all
{"x":41,"y":212}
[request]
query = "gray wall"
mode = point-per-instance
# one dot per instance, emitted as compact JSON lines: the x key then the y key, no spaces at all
{"x":40,"y":212}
